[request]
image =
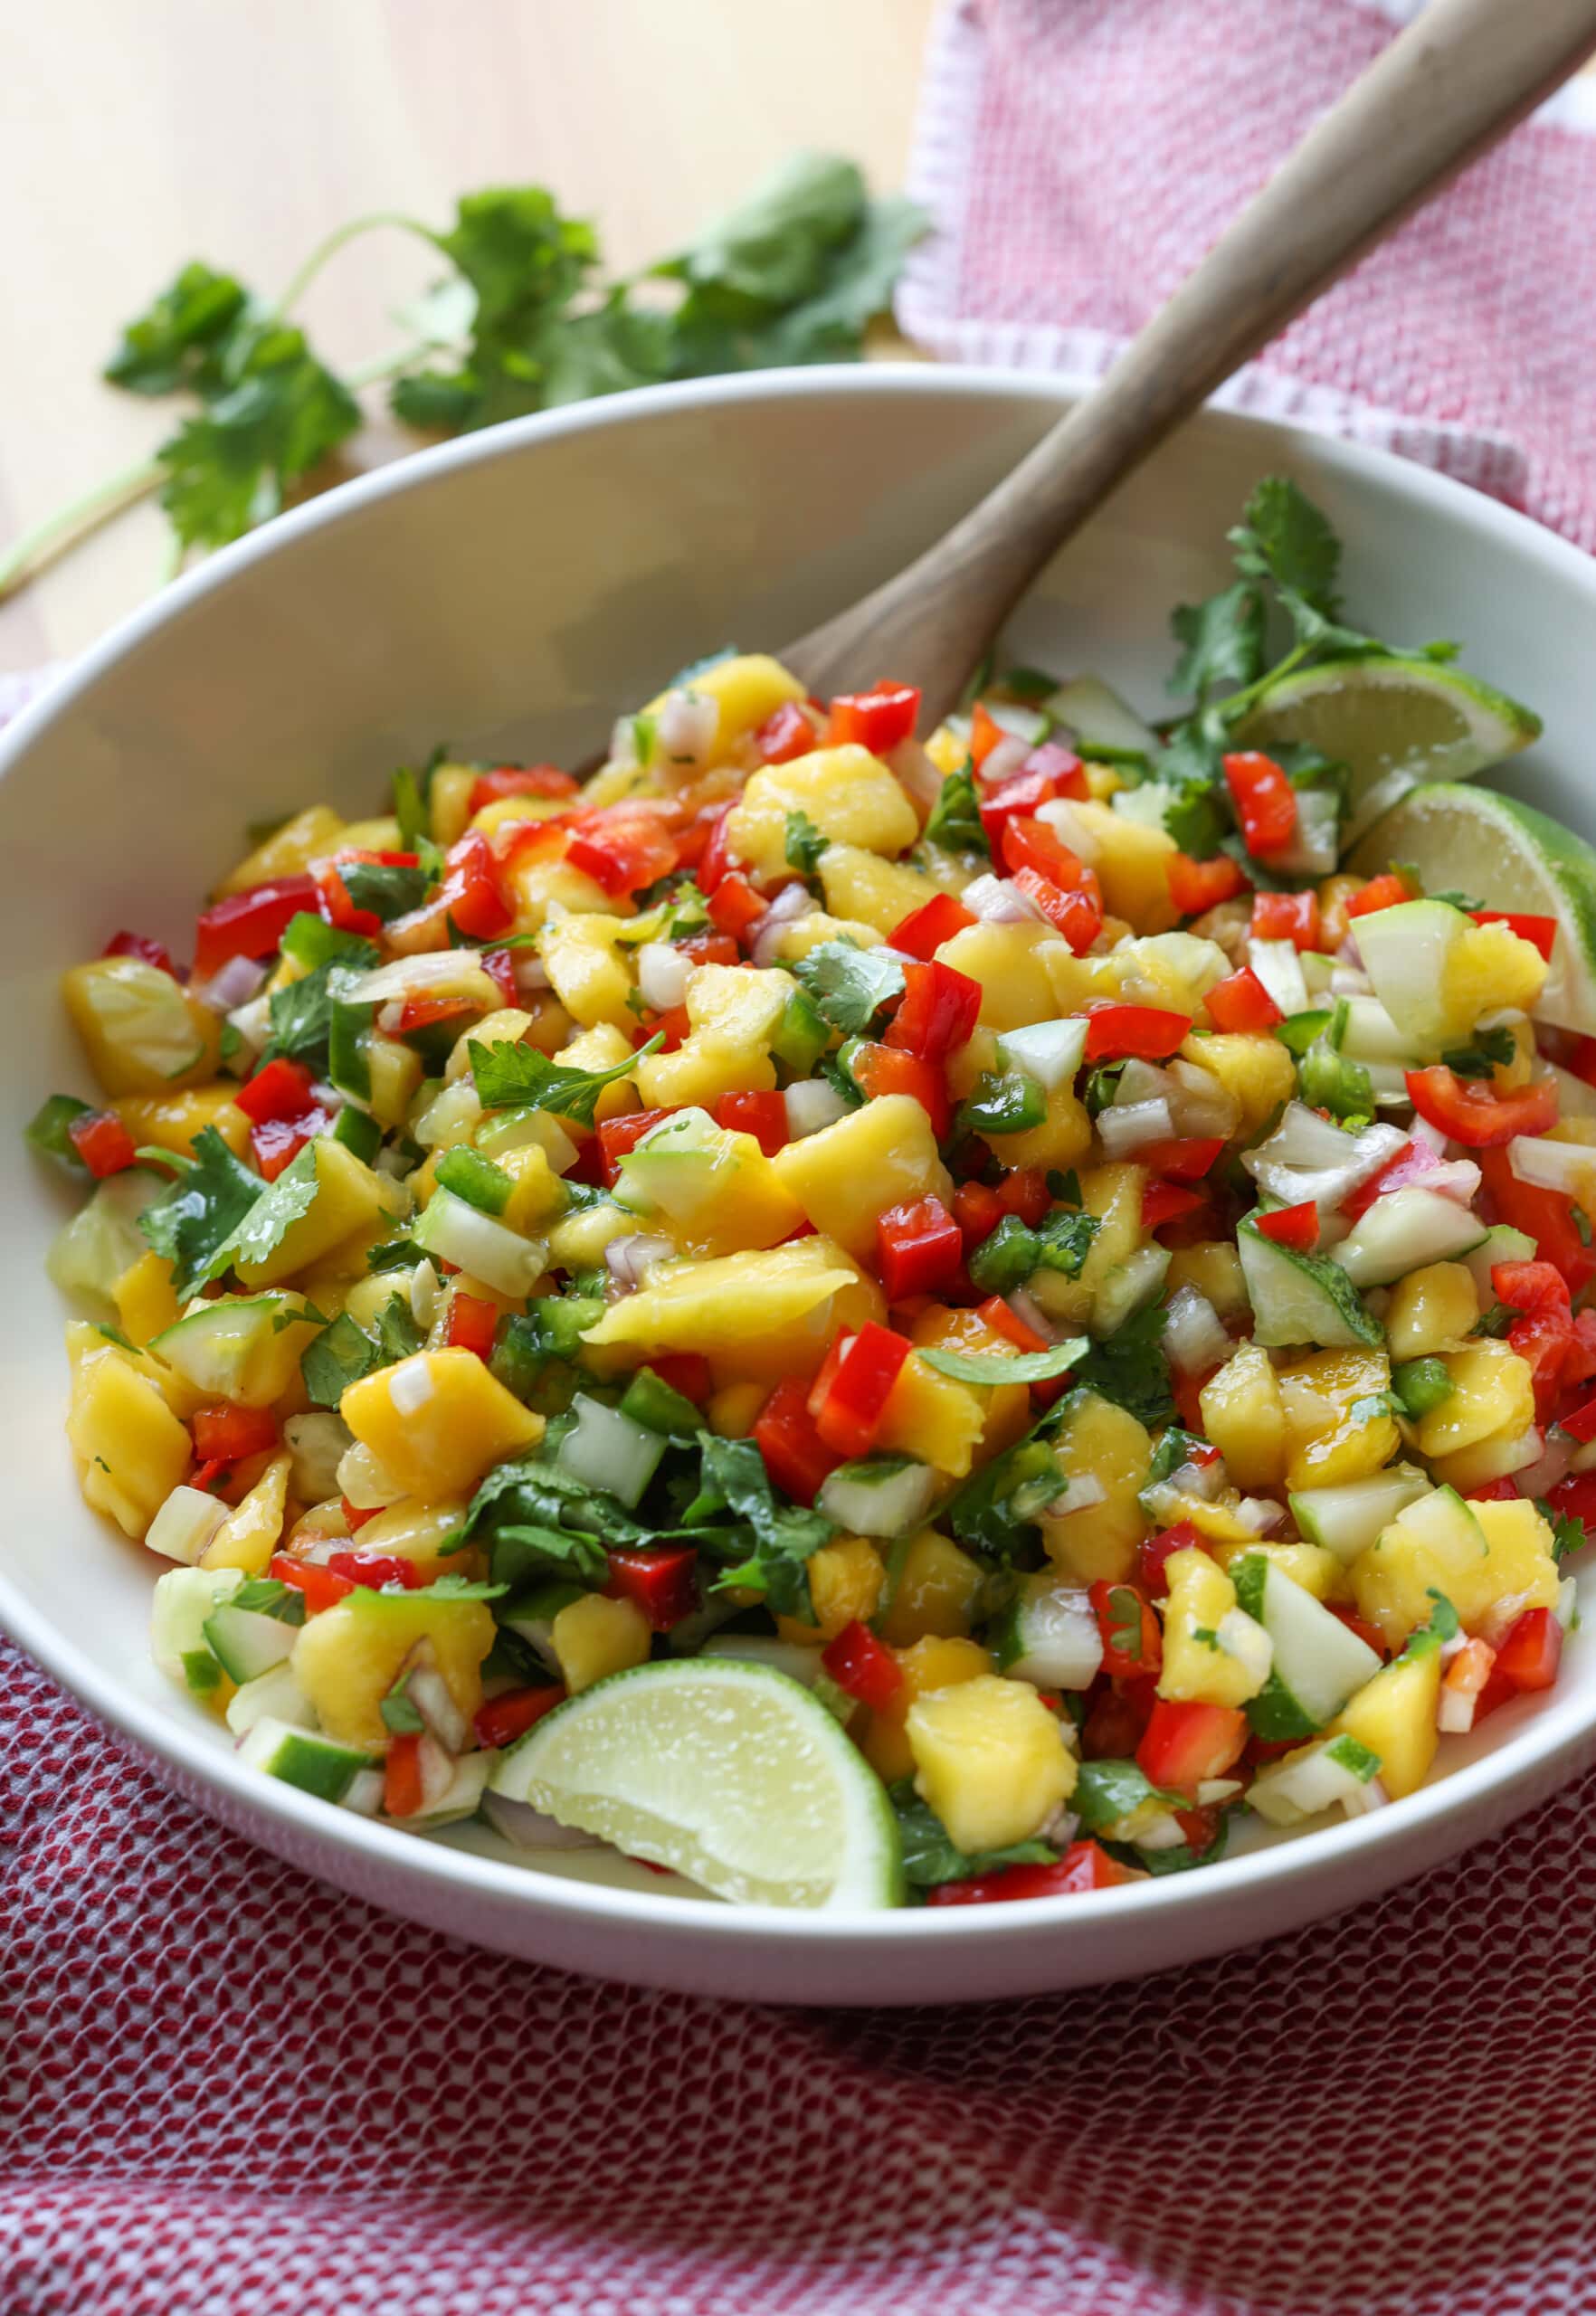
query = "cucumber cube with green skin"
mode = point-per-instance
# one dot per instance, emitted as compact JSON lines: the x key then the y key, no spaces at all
{"x":348,"y":1049}
{"x":305,"y":1758}
{"x":1336,"y":1770}
{"x":1501,"y":1244}
{"x":802,"y":1035}
{"x":236,"y":1348}
{"x":1049,"y":1636}
{"x":1317,"y":1662}
{"x":359,"y":1133}
{"x":1405,"y":952}
{"x":609,"y":1451}
{"x":246,"y":1644}
{"x":1347,"y":1519}
{"x":273,"y":1696}
{"x":1301,"y":1298}
{"x":185,"y":1599}
{"x":1403,"y":1232}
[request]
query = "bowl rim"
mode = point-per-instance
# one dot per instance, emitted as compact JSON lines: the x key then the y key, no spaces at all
{"x":1548,"y":1739}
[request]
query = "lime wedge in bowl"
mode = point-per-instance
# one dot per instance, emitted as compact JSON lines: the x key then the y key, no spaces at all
{"x":1395,"y":721}
{"x":726,"y":1772}
{"x":1509,"y":856}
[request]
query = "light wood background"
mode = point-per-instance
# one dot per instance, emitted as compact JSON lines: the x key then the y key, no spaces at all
{"x":136,"y":134}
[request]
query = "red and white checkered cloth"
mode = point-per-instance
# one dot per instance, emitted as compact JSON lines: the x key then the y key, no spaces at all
{"x":224,"y":2088}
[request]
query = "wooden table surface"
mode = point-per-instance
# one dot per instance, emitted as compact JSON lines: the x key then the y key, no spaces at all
{"x":134,"y":136}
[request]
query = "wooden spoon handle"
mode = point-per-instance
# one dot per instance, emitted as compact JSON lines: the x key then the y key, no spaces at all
{"x":1454,"y":82}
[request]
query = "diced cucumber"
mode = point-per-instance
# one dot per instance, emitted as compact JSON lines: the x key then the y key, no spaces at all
{"x":461,"y":1797}
{"x":1317,"y":1661}
{"x":1404,"y":1231}
{"x":1051,"y":1637}
{"x":244,"y":1643}
{"x":358,"y":1132}
{"x":1097,"y":716}
{"x":1301,"y":1298}
{"x":789,"y":1656}
{"x":610,"y":1452}
{"x":883,"y":1498}
{"x":348,"y":1047}
{"x":525,"y":1128}
{"x":1129,"y":1286}
{"x":679,"y":1169}
{"x":184,"y":1524}
{"x":305,"y":1758}
{"x":317,"y":1441}
{"x":1334,"y":1771}
{"x":1501,"y":1244}
{"x":1444,"y":1523}
{"x":103,"y":1239}
{"x":450,"y":1227}
{"x":233,"y":1349}
{"x":802,"y":1035}
{"x":1370,"y":1034}
{"x":1346,"y":1520}
{"x":183,"y":1598}
{"x":274,"y":1695}
{"x":1147,"y":804}
{"x":649,"y":1401}
{"x":1405,"y":952}
{"x":1049,"y":1051}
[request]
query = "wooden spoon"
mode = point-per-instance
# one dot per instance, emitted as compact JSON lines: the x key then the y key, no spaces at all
{"x":1443,"y":91}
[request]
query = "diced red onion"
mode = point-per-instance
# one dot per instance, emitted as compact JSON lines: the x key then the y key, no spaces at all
{"x":233,"y":984}
{"x":1194,"y":1338}
{"x":628,"y":1259}
{"x":1261,"y":1513}
{"x":1551,"y":1466}
{"x":1004,"y":759}
{"x":1123,"y":1130}
{"x":995,"y":901}
{"x":1030,"y":1312}
{"x":662,"y":974}
{"x":529,"y":1828}
{"x":790,"y":904}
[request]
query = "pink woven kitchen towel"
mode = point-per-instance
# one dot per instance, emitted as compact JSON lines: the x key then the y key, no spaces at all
{"x":1079,"y":155}
{"x":223,"y":2088}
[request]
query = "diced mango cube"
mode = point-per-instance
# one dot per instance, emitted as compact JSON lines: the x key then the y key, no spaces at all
{"x":437,"y":1421}
{"x":288,"y":851}
{"x":130,"y":1449}
{"x":932,"y":1417}
{"x":1257,"y":1072}
{"x":939,"y":1589}
{"x":1433,"y":1309}
{"x":929,"y":1665}
{"x":845,"y":1177}
{"x":1394,"y":1715}
{"x":347,"y":1658}
{"x":990,"y":1760}
{"x":589,"y":974}
{"x":1101,"y":1441}
{"x":860,"y":885}
{"x":1243,"y":1416}
{"x":1011,"y":963}
{"x":849,"y":794}
{"x":349,"y":1197}
{"x":594,"y":1637}
{"x":1196,"y":1669}
{"x":1493,"y":1391}
{"x":845,"y":1580}
{"x":171,"y":1121}
{"x":248,"y":1537}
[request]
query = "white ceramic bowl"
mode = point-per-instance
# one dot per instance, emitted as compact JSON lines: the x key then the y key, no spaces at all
{"x":510,"y":592}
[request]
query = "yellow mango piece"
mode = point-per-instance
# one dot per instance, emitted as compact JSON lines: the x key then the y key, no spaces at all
{"x":703,"y":1068}
{"x":730,"y":1303}
{"x":859,"y":884}
{"x":349,"y":1197}
{"x":505,"y":811}
{"x":1214,"y":1268}
{"x":144,"y":1298}
{"x":249,"y":1535}
{"x":577,"y":1241}
{"x":932,"y":1417}
{"x":1432,"y":1310}
{"x":347,"y":1658}
{"x":1493,"y":1391}
{"x":733,"y":1412}
{"x":1488,"y":967}
{"x":1098,"y":1441}
{"x":130,"y":1449}
{"x":1006,"y":1407}
{"x":593,"y":1638}
{"x":534,"y":881}
{"x":990,"y":1759}
{"x":1113,"y":1194}
{"x":1394,"y":1715}
{"x":1337,"y":1425}
{"x":448,"y":802}
{"x":141,"y":1030}
{"x":267,"y":1346}
{"x":795,"y":941}
{"x":418,"y":1532}
{"x":928,"y":1666}
{"x":939,"y":1590}
{"x":1243,"y":1416}
{"x":1011,"y":962}
{"x":1062,"y":1141}
{"x":1494,"y":1457}
{"x":380,"y":833}
{"x":1132,"y":867}
{"x":537,"y":1192}
{"x":1317,"y":1571}
{"x":506,"y":1025}
{"x":746,"y":688}
{"x":591,"y":978}
{"x":1257,"y":1072}
{"x":741,"y":1003}
{"x":849,"y":794}
{"x":438,"y":1421}
{"x":288,"y":851}
{"x":845,"y":1177}
{"x":1489,"y":1588}
{"x":171,"y":1121}
{"x":845,"y":1580}
{"x":947,"y":751}
{"x":1196,"y":1671}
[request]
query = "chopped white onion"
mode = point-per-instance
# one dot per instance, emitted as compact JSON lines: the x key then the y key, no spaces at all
{"x":996,"y":901}
{"x":1079,"y":1495}
{"x":1553,"y":1165}
{"x":1030,"y":1312}
{"x":1346,"y":980}
{"x":1313,"y":851}
{"x":431,"y":1695}
{"x":1049,"y":1051}
{"x":1142,"y":1081}
{"x":1005,"y":759}
{"x":253,"y":1023}
{"x":1568,"y":1602}
{"x":1433,"y":1137}
{"x":184,"y":1524}
{"x":1371,"y":1796}
{"x":425,"y":1288}
{"x":1198,"y":1104}
{"x":1123,"y":1130}
{"x":410,"y":1387}
{"x":1311,"y":1157}
{"x":813,"y":1105}
{"x":529,"y":972}
{"x":234,"y":984}
{"x":628,"y":1259}
{"x":1194,"y":1338}
{"x":1279,"y":968}
{"x":529,"y":1828}
{"x":435,"y":972}
{"x":1261,"y":1513}
{"x":686,"y":729}
{"x":663,"y":973}
{"x":363,"y":1793}
{"x":1551,"y":1466}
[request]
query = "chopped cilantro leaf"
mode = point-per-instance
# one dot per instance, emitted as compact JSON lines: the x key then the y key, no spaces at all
{"x":1491,"y":1049}
{"x":955,"y":817}
{"x":201,"y":1210}
{"x":508,"y":1075}
{"x":806,"y":843}
{"x":849,"y":985}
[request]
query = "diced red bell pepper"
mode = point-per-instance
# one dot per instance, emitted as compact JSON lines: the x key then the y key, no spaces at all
{"x":1197,"y":885}
{"x":862,"y":1666}
{"x":1163,"y":1202}
{"x":1185,"y":1160}
{"x":687,"y":1371}
{"x":1265,"y":801}
{"x":1581,"y":1059}
{"x":710,"y":949}
{"x":379,"y":1572}
{"x":1575,"y":1495}
{"x":277,"y":1141}
{"x":1016,"y":797}
{"x":1381,"y":892}
{"x":924,"y":930}
{"x":321,"y":1589}
{"x":1132,"y":1643}
{"x":919,"y":1249}
{"x":877,"y":720}
{"x":473,"y":888}
{"x":616,"y":1136}
{"x":1005,"y":1322}
{"x":1580,"y":1423}
{"x":1084,"y":1865}
{"x":624,"y":851}
{"x":985,"y":733}
{"x":673,"y":1025}
{"x":1184,"y":1744}
{"x":404,"y":1790}
{"x":735,"y":906}
{"x":977,"y":1211}
{"x":1579,"y":1362}
{"x":785,"y":734}
{"x":849,"y":1396}
{"x":1115,"y":1719}
{"x":1286,"y":917}
{"x":1546,"y":1216}
{"x":1024,"y":1191}
{"x":334,"y":900}
{"x":1032,"y":844}
{"x":1144,"y":1032}
{"x":764,"y":1115}
{"x":1492,"y":1492}
{"x":227,"y":1433}
{"x":882,"y":1069}
{"x":663,"y":1583}
{"x":473,"y":1321}
{"x":102,"y":1142}
{"x":715,"y":860}
{"x":1296,"y":1227}
{"x":1077,"y":914}
{"x":519,"y":780}
{"x":426,"y":1012}
{"x":1540,"y":932}
{"x":355,"y":1516}
{"x":938,"y":1013}
{"x":251,"y":924}
{"x":1240,"y":1003}
{"x":140,"y":944}
{"x":500,"y":965}
{"x":1543,"y":1331}
{"x":1153,"y":1552}
{"x":280,"y":1090}
{"x":795,"y":1456}
{"x":513,"y":1712}
{"x":1473,"y":1113}
{"x":1533,"y":1650}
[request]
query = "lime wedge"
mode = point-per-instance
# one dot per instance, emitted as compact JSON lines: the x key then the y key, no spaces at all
{"x":726,"y":1772}
{"x":1396,"y":722}
{"x":1508,"y":856}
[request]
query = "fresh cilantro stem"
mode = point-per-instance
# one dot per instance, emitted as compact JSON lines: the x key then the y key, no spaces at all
{"x":38,"y":548}
{"x":337,"y":239}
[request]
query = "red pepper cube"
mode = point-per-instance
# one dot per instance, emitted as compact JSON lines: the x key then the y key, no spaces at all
{"x":519,"y":780}
{"x":848,"y":1397}
{"x":1029,"y":843}
{"x":1143,"y":1032}
{"x":616,"y":1136}
{"x":141,"y":945}
{"x":663,"y":1583}
{"x":102,"y":1142}
{"x":1185,"y":1744}
{"x":1185,"y":1160}
{"x":687,"y":1371}
{"x":1265,"y":801}
{"x":938,"y":1013}
{"x":1133,"y":1645}
{"x":924,"y":930}
{"x":710,"y":949}
{"x":862,"y":1666}
{"x":1008,"y":1323}
{"x":735,"y":906}
{"x":404,"y":1790}
{"x":877,"y":720}
{"x":880,"y":1069}
{"x":277,"y":1141}
{"x":1380,"y":892}
{"x":1540,"y":932}
{"x":1154,"y":1551}
{"x":985,"y":733}
{"x":714,"y":860}
{"x":919,"y":1249}
{"x":785,"y":734}
{"x":251,"y":924}
{"x":1286,"y":917}
{"x":795,"y":1456}
{"x":281,"y":1089}
{"x":379,"y":1572}
{"x":474,"y":891}
{"x":510,"y":1714}
{"x":1241,"y":1004}
{"x":623,"y":852}
{"x":1017,"y":797}
{"x":226,"y":1434}
{"x":1473,"y":1114}
{"x":1077,"y":914}
{"x":764,"y":1115}
{"x":473,"y":1321}
{"x":1084,"y":1865}
{"x":1530,"y":1654}
{"x":1163,"y":1202}
{"x":978,"y":1211}
{"x":335,"y":902}
{"x":1296,"y":1227}
{"x":1024,"y":1191}
{"x":321,"y":1589}
{"x":1197,"y":885}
